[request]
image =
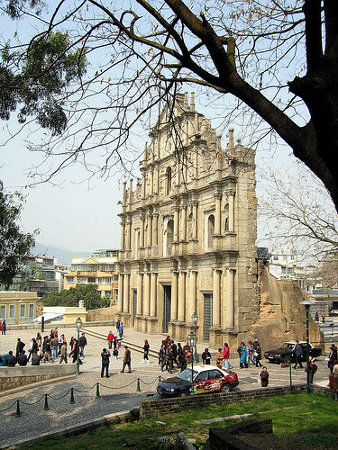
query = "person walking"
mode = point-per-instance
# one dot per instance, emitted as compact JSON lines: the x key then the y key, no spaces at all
{"x":298,"y":351}
{"x":264,"y":376}
{"x":219,"y":358}
{"x":258,"y":355}
{"x":4,"y":326}
{"x":244,"y":356}
{"x":105,"y":355}
{"x":182,"y":364}
{"x":146,"y":348}
{"x":312,"y":369}
{"x":82,"y":344}
{"x":117,"y":325}
{"x":126,"y":359}
{"x":121,"y":330}
{"x":323,"y":315}
{"x":63,"y":353}
{"x":251,"y":353}
{"x":226,"y":356}
{"x":110,"y":339}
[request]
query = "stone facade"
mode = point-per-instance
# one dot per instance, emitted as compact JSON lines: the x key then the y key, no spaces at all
{"x":188,"y":233}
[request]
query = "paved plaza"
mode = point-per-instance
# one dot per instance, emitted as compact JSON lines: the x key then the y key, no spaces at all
{"x":119,"y":392}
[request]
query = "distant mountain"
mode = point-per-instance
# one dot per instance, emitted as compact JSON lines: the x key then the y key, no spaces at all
{"x":63,"y":256}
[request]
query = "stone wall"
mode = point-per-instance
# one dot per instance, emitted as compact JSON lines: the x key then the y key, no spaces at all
{"x":102,"y":314}
{"x":13,"y":377}
{"x":173,"y":405}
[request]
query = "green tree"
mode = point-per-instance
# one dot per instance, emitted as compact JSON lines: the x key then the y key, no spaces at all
{"x":71,"y":297}
{"x":14,"y":244}
{"x":279,"y":58}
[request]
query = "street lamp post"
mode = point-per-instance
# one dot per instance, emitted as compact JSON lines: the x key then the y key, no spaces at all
{"x":194,"y":318}
{"x":192,"y":341}
{"x":307,"y":304}
{"x":78,"y":324}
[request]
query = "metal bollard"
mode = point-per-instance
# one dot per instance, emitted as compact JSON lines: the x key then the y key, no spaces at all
{"x":45,"y":406}
{"x":97,"y":391}
{"x":138,"y":388}
{"x":18,"y":412}
{"x":71,"y":401}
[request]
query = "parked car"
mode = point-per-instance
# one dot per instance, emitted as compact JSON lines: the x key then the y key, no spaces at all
{"x":282,"y":353}
{"x":206,"y":379}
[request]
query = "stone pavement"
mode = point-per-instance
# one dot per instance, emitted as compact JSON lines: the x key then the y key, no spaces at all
{"x":117,"y":393}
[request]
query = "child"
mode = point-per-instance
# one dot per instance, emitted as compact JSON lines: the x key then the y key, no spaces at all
{"x":264,"y":375}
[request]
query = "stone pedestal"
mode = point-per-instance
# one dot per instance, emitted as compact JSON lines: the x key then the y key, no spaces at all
{"x":215,"y":337}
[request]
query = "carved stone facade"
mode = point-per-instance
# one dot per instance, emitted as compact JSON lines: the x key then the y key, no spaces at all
{"x":188,"y":233}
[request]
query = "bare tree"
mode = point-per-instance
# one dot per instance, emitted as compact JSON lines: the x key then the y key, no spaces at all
{"x":296,"y":212}
{"x":277,"y":57}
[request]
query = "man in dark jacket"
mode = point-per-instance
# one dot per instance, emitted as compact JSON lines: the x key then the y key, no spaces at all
{"x":36,"y":359}
{"x":126,"y":359}
{"x":19,"y":348}
{"x":82,"y":343}
{"x":105,"y":355}
{"x":11,"y":359}
{"x":22,"y":359}
{"x":298,"y":354}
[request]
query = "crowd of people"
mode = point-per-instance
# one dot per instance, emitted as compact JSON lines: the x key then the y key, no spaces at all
{"x":49,"y":348}
{"x":171,"y":355}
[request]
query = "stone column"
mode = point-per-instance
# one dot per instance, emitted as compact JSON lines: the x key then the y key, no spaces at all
{"x":176,"y":224}
{"x":183,"y":234}
{"x":218,"y":199}
{"x":128,"y":234}
{"x":231,"y":196}
{"x":153,"y":294}
{"x":191,"y":300}
{"x":122,"y":235}
{"x":146,"y":303}
{"x":195,"y":220}
{"x":120,"y":292}
{"x":126,"y":293}
{"x":152,"y":181}
{"x":229,"y":304}
{"x":142,"y":232}
{"x":216,"y":304}
{"x":149,"y":234}
{"x":139,"y":294}
{"x":174,"y":287}
{"x":181,"y":296}
{"x":155,"y":229}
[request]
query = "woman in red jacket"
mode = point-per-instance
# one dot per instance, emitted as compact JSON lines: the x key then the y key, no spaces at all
{"x":226,"y":356}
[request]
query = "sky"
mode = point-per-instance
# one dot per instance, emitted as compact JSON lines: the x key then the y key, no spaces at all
{"x":69,"y":214}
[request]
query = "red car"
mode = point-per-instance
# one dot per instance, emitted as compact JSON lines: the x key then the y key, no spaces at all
{"x":206,"y":379}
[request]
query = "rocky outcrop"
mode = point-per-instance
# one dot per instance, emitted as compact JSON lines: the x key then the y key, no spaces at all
{"x":281,"y":316}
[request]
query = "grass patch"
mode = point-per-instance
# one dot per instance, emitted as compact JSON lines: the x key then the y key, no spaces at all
{"x":300,"y":421}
